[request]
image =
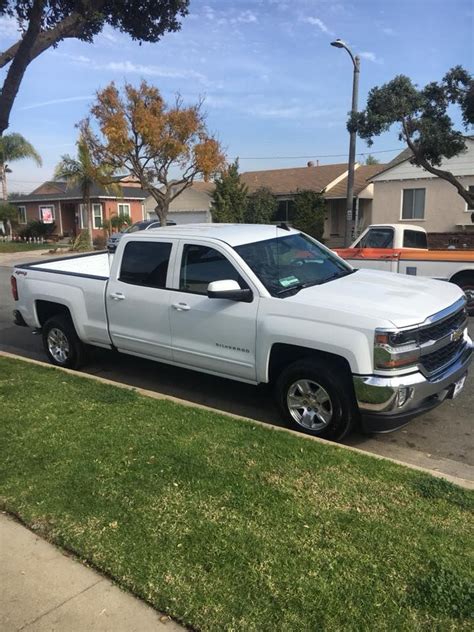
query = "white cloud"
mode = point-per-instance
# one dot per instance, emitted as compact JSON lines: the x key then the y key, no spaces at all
{"x":41,"y":104}
{"x":208,"y":12}
{"x":388,"y":31}
{"x":370,"y":56}
{"x":246,"y":17}
{"x":152,"y":71}
{"x":319,"y":23}
{"x":9,"y":27}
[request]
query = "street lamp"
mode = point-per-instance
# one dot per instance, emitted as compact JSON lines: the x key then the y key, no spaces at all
{"x":352,"y":142}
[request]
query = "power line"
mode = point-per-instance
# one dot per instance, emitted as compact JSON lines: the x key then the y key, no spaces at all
{"x":360,"y":153}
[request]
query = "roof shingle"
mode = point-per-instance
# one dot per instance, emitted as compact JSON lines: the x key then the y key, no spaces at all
{"x":286,"y":181}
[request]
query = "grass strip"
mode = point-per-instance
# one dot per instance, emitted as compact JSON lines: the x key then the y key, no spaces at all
{"x":226,"y":525}
{"x":12,"y":246}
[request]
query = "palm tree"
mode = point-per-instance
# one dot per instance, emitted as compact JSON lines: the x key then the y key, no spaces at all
{"x":83,"y":172}
{"x":14,"y":147}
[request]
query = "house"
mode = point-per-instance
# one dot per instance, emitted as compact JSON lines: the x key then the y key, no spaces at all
{"x":329,"y":180}
{"x":192,"y":206}
{"x":406,"y":193}
{"x":58,"y":202}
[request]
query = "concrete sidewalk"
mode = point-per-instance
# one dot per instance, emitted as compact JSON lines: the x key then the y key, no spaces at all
{"x":44,"y":590}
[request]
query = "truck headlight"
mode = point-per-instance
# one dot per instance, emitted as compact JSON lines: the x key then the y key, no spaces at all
{"x":394,"y":350}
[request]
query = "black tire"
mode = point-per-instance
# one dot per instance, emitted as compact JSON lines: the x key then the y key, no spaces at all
{"x":61,"y":328}
{"x":467,"y":286}
{"x":325,"y":379}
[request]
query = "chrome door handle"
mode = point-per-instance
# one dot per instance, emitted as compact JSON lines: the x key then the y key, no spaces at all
{"x":117,"y":296}
{"x":181,"y":307}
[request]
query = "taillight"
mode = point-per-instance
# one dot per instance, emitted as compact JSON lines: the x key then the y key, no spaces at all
{"x":14,"y":287}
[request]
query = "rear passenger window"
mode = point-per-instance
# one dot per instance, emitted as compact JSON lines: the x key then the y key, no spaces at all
{"x":145,"y":263}
{"x":202,"y":265}
{"x":414,"y":239}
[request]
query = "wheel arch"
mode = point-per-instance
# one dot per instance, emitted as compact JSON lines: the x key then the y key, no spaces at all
{"x":47,"y":309}
{"x":283,"y":354}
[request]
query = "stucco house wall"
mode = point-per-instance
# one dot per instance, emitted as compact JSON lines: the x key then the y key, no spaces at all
{"x":445,"y":211}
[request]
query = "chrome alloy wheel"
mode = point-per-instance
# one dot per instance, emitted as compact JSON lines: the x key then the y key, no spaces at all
{"x":58,"y":345}
{"x":309,"y":404}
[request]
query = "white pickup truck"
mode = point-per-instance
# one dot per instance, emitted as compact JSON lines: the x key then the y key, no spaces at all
{"x":259,"y":304}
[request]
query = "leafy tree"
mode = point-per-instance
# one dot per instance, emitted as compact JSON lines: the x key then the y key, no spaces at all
{"x":261,"y":207}
{"x":372,"y":160}
{"x":423,"y":118}
{"x":83,"y":172}
{"x":14,"y":147}
{"x":45,"y":23}
{"x":229,"y":198}
{"x":309,"y":212}
{"x":139,"y":132}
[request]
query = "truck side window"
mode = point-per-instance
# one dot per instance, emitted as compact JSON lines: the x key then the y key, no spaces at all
{"x":377,"y":238}
{"x":201,"y":265}
{"x":145,"y":263}
{"x":415,"y":239}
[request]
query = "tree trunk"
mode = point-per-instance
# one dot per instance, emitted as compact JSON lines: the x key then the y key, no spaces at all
{"x":19,"y":64}
{"x":3,"y":176}
{"x":90,"y":222}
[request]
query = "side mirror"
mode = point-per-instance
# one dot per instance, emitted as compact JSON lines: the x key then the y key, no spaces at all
{"x":230,"y":290}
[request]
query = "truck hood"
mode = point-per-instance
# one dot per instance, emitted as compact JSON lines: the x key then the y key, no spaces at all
{"x":397,"y":298}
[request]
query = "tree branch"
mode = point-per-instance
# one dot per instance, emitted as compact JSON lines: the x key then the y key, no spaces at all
{"x":69,"y":27}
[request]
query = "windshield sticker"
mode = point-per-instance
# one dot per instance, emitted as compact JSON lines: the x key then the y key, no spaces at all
{"x":287,"y":281}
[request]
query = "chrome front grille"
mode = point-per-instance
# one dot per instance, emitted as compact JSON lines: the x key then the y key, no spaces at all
{"x":442,"y":328}
{"x":436,"y":360}
{"x":441,"y":342}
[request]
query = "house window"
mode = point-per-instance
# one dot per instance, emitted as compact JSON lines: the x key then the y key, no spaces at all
{"x":123,"y":209}
{"x":284,"y":211}
{"x":97,"y":215}
{"x":413,"y":204}
{"x":22,"y":214}
{"x":470,"y":207}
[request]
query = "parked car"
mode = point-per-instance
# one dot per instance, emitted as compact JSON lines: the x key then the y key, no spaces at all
{"x":260,"y":304}
{"x":403,"y":248}
{"x":146,"y":224}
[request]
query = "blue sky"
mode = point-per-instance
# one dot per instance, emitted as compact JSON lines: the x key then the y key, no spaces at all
{"x":273,"y":86}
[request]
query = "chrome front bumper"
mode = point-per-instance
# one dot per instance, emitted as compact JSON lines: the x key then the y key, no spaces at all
{"x":388,"y":403}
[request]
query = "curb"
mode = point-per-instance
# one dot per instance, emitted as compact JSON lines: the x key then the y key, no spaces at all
{"x":461,"y":482}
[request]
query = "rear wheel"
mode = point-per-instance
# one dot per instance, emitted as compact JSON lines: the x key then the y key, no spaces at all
{"x":61,"y":342}
{"x":466,"y":284}
{"x":317,"y":398}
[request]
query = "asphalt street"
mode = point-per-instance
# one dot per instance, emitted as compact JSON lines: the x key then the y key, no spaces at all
{"x":441,"y":439}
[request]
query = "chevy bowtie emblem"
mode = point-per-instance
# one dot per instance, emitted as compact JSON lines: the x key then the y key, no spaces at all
{"x":457,"y":335}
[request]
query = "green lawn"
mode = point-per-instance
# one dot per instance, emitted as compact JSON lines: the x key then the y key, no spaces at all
{"x":228,"y":525}
{"x":12,"y":246}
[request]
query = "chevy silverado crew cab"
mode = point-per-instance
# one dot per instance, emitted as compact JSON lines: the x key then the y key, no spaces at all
{"x":259,"y":304}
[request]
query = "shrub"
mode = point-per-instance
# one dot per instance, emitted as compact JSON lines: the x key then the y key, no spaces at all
{"x":36,"y":228}
{"x":99,"y":242}
{"x":310,"y":208}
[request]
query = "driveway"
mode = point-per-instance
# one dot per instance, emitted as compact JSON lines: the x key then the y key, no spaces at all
{"x":441,"y":439}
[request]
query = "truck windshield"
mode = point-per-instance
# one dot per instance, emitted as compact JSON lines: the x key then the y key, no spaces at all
{"x":286,"y":265}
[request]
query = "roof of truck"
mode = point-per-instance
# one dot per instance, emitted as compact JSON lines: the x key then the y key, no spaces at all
{"x":232,"y":234}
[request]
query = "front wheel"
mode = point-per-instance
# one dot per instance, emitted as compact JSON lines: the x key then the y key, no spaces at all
{"x":317,"y":398}
{"x":61,"y":343}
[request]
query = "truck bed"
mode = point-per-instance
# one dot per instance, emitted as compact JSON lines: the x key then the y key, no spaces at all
{"x":94,"y":265}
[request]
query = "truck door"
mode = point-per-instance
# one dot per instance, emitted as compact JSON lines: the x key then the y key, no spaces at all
{"x":138,"y":300}
{"x":374,"y":250}
{"x":217,"y":335}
